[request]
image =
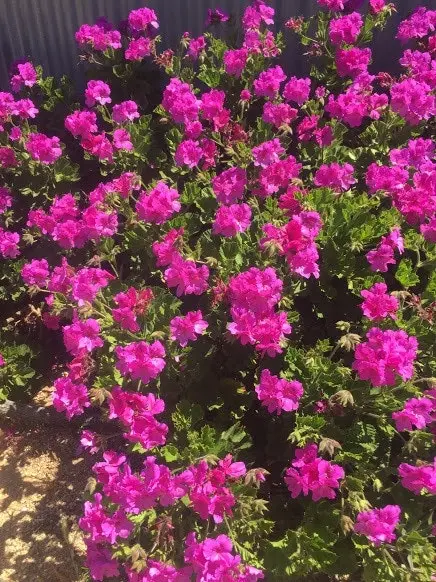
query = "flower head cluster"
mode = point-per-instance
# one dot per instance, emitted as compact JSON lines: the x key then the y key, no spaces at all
{"x":137,"y":411}
{"x":213,"y":560}
{"x":253,"y":295}
{"x":229,"y":186}
{"x":278,"y":394}
{"x":43,"y":149}
{"x":180,"y":102}
{"x":82,"y":336}
{"x":346,"y":29}
{"x":70,"y":397}
{"x":231,"y":220}
{"x":25,"y":76}
{"x":378,"y":525}
{"x":417,"y":413}
{"x":159,"y":204}
{"x":418,"y":478}
{"x":98,"y":37}
{"x":383,"y":255}
{"x":377,"y":303}
{"x":296,"y":242}
{"x":335,"y":176}
{"x":130,"y":304}
{"x":312,"y":474}
{"x":187,"y":327}
{"x":141,"y":360}
{"x":384,"y":356}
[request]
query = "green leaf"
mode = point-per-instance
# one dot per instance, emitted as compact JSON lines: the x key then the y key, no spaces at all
{"x":406,"y":275}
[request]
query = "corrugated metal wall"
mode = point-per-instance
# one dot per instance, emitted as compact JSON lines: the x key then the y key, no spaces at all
{"x":43,"y":30}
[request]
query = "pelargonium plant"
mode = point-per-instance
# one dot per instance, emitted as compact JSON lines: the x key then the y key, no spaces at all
{"x":243,"y":280}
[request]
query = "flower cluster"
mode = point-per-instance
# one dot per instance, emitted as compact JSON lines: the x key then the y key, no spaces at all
{"x":278,"y":394}
{"x":253,"y":296}
{"x":312,"y":474}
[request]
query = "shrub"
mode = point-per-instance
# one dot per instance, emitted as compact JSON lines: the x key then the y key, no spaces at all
{"x":243,"y":280}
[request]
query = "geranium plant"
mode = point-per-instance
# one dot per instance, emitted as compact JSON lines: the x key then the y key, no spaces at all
{"x":244,"y":283}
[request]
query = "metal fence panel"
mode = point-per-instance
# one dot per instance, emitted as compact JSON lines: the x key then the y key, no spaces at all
{"x":43,"y":30}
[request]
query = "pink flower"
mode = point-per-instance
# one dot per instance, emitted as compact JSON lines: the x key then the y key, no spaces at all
{"x":180,"y":102}
{"x":42,"y":148}
{"x":9,"y":244}
{"x":5,"y":199}
{"x":377,"y":5}
{"x":229,"y":186}
{"x":99,"y":146}
{"x":352,"y":61}
{"x":335,"y":176}
{"x":269,"y":81}
{"x":418,"y":25}
{"x":81,"y":123}
{"x":187,"y":327}
{"x":102,"y":526}
{"x":255,"y":289}
{"x":26,"y":77}
{"x":278,"y":394}
{"x":186,"y":276}
{"x":188,"y":153}
{"x":350,"y":107}
{"x":231,"y":220}
{"x":267,"y":153}
{"x":141,"y":360}
{"x":87,"y":283}
{"x":90,"y":441}
{"x":278,"y":114}
{"x":125,"y":111}
{"x":428,"y":231}
{"x":143,"y":20}
{"x":311,"y":474}
{"x":196,"y":46}
{"x":235,"y":61}
{"x":413,"y":100}
{"x":382,"y":256}
{"x":166,"y":250}
{"x":82,"y":336}
{"x":121,"y":140}
{"x":98,"y":38}
{"x":97,"y":92}
{"x":138,"y":49}
{"x":36,"y":273}
{"x":417,"y":412}
{"x":418,"y":478}
{"x":384,"y":356}
{"x":215,"y":16}
{"x":70,"y":397}
{"x":297,"y":90}
{"x":378,"y":525}
{"x":100,"y":562}
{"x":378,"y":304}
{"x":332,"y":4}
{"x":159,"y":204}
{"x":345,"y":29}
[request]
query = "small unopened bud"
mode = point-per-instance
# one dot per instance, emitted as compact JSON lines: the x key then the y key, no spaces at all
{"x":344,"y":398}
{"x":328,"y":446}
{"x":347,"y":524}
{"x":349,"y":341}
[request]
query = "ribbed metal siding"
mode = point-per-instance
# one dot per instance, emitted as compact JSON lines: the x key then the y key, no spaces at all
{"x":43,"y":30}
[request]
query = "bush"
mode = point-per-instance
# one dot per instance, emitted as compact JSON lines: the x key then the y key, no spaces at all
{"x":242,"y":273}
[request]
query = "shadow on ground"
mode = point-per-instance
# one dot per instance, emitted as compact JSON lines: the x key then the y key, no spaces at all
{"x":41,"y":486}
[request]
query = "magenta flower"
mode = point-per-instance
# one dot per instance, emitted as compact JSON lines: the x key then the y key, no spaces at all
{"x":378,"y":525}
{"x":231,"y":220}
{"x":384,"y":356}
{"x":417,"y":413}
{"x":297,"y":90}
{"x":82,"y":336}
{"x":138,"y":49}
{"x":97,"y":92}
{"x":36,"y":272}
{"x":346,"y":29}
{"x":188,"y":153}
{"x":269,"y":81}
{"x":378,"y":304}
{"x":278,"y":394}
{"x":70,"y":397}
{"x":187,"y":327}
{"x":335,"y":176}
{"x":235,"y":61}
{"x":143,"y":20}
{"x":229,"y":186}
{"x":141,"y":360}
{"x":125,"y":111}
{"x":42,"y":148}
{"x":186,"y":276}
{"x":418,"y":478}
{"x":311,"y":474}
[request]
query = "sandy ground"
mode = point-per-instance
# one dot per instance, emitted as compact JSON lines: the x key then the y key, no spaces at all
{"x":42,"y":478}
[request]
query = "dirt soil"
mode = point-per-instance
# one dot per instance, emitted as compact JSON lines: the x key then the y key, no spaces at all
{"x":42,"y":478}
